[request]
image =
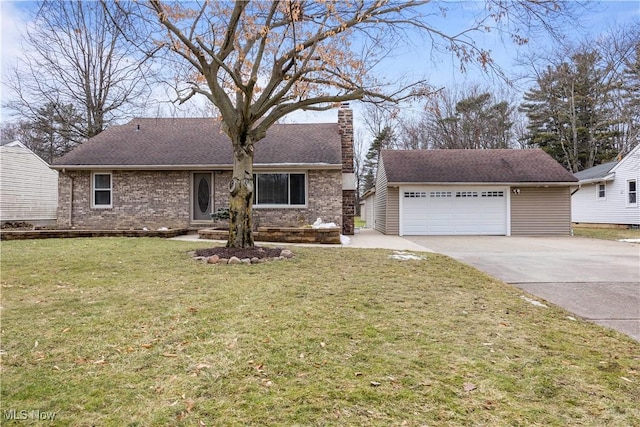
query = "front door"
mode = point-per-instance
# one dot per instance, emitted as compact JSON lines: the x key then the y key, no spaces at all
{"x":202,"y":197}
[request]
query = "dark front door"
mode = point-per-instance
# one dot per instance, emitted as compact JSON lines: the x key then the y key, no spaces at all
{"x":202,"y":196}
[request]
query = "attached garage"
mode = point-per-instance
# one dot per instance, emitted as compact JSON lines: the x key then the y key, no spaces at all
{"x":472,"y":192}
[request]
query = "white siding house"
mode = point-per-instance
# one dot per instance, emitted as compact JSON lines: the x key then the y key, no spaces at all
{"x":608,"y":193}
{"x":28,"y":187}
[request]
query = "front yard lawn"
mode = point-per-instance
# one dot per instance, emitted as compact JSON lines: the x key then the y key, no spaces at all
{"x":134,"y":332}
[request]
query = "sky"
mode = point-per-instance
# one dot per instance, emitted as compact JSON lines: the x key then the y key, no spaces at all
{"x":417,"y":61}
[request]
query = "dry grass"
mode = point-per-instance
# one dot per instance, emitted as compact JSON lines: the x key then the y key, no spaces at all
{"x":607,"y":233}
{"x":117,"y":332}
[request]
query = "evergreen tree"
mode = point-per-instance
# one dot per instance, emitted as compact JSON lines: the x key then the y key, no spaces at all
{"x":52,"y":133}
{"x":570,"y":112}
{"x":383,"y":140}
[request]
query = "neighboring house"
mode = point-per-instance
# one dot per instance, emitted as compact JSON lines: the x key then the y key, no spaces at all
{"x":472,"y":192}
{"x":175,"y":173}
{"x":28,"y":187}
{"x":608,"y":193}
{"x":368,"y":207}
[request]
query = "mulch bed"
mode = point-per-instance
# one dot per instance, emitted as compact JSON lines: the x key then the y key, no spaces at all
{"x":241,"y":253}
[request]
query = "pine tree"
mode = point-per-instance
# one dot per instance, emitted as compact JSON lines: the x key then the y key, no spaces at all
{"x":570,"y":113}
{"x":383,"y":140}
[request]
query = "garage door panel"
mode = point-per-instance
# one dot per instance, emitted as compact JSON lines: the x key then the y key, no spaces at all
{"x":454,"y":211}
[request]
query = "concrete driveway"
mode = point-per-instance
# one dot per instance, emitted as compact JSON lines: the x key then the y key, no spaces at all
{"x":598,"y":280}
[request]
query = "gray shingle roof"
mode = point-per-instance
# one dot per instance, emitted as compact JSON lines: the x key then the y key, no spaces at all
{"x":491,"y":166}
{"x":599,"y":171}
{"x":183,"y":142}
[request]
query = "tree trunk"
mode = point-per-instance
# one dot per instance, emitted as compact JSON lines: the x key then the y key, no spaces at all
{"x":241,"y":198}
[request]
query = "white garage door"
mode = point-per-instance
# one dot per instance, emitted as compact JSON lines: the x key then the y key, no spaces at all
{"x":453,"y":211}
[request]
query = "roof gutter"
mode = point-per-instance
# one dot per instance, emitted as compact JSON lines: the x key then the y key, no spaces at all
{"x":609,"y":177}
{"x":495,"y":184}
{"x":256,"y":166}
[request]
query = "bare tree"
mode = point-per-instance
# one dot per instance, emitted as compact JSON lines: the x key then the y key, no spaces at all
{"x":259,"y":61}
{"x":472,"y":117}
{"x":76,"y":55}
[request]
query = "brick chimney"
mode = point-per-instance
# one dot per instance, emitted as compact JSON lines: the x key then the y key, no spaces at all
{"x":345,"y":127}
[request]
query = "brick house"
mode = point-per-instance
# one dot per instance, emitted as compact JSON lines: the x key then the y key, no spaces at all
{"x":174,"y":172}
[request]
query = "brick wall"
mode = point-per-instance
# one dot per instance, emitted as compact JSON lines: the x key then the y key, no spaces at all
{"x":324,"y":201}
{"x":151,"y":199}
{"x":155,"y":199}
{"x":345,"y":126}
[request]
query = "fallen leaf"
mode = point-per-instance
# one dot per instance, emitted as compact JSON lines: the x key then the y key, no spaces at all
{"x":323,"y":345}
{"x":169,"y":355}
{"x":357,"y":374}
{"x":469,"y":386}
{"x":65,"y":330}
{"x":375,"y":384}
{"x":146,"y":345}
{"x":190,"y":404}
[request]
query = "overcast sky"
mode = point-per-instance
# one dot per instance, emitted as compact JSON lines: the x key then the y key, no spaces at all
{"x":441,"y":70}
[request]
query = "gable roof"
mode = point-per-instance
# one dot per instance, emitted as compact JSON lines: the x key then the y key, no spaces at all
{"x":176,"y":143}
{"x":599,"y":172}
{"x":473,"y":166}
{"x":606,"y":171}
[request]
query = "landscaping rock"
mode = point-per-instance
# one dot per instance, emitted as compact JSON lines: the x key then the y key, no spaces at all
{"x":286,"y":253}
{"x":214,"y":259}
{"x":234,"y":260}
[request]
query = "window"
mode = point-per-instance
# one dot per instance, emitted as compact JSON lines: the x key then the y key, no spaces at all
{"x":632,"y":193}
{"x":602,"y":190}
{"x":282,"y":189}
{"x":415,"y":194}
{"x":101,"y":190}
{"x":466,"y":194}
{"x":493,"y":194}
{"x":440,"y":194}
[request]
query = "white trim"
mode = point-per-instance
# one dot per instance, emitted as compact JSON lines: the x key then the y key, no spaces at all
{"x":598,"y":197}
{"x":488,"y":184}
{"x":628,"y":193}
{"x":94,"y":189}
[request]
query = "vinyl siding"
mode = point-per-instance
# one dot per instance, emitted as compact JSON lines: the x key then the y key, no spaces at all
{"x":393,"y":211}
{"x":380,"y":204}
{"x":613,"y":209}
{"x":541,"y":212}
{"x":28,"y":187}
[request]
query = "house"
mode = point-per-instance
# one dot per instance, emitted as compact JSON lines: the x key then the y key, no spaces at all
{"x":174,"y":173}
{"x":28,"y":187}
{"x":608,"y":193}
{"x":472,"y":192}
{"x":368,"y":207}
